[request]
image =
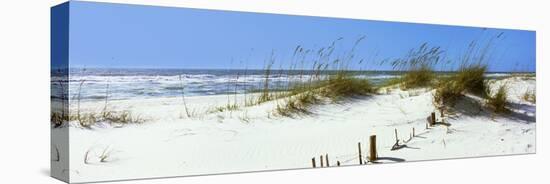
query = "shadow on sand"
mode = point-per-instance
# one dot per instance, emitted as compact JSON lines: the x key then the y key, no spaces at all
{"x":472,"y":106}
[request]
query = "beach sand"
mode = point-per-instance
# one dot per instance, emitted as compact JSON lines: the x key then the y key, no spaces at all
{"x":255,"y":138}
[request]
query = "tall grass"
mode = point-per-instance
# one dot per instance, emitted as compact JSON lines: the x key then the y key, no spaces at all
{"x":470,"y":75}
{"x":498,"y":101}
{"x":124,"y":117}
{"x":328,"y":78}
{"x":344,"y":85}
{"x":266,"y":95}
{"x":106,"y":102}
{"x":58,"y":119}
{"x":80,"y":119}
{"x":419,"y":66}
{"x":468,"y":79}
{"x":297,"y":104}
{"x":87,"y":119}
{"x":471,"y":78}
{"x":59,"y":116}
{"x":447,"y":93}
{"x":182,"y":88}
{"x":336,"y":83}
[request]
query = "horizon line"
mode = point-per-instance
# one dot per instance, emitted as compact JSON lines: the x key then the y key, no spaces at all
{"x":221,"y":69}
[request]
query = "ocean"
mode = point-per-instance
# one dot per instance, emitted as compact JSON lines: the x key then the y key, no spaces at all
{"x":97,"y":84}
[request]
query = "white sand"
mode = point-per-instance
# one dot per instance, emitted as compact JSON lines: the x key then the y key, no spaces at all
{"x":169,"y":144}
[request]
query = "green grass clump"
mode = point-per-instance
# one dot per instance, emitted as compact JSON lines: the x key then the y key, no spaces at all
{"x":330,"y":78}
{"x":468,"y":79}
{"x":86,"y":120}
{"x":337,"y":87}
{"x":471,"y":78}
{"x":422,"y":77}
{"x":298,"y":104}
{"x":392,"y":82}
{"x":447,"y":93}
{"x":124,"y":117}
{"x":498,"y":101}
{"x":57,"y":119}
{"x":344,"y":85}
{"x":419,"y":64}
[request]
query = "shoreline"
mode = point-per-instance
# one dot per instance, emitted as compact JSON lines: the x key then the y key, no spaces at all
{"x":161,"y":86}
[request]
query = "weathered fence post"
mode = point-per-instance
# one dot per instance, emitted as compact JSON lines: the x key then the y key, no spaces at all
{"x":338,"y":163}
{"x":427,"y":127}
{"x":322,"y":164}
{"x":432,"y":122}
{"x":360,"y":156}
{"x":326,"y":159}
{"x":372,"y":156}
{"x":313,"y":162}
{"x":414,"y":134}
{"x":396,"y":138}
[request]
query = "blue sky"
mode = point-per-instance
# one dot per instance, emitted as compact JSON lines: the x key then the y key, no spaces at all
{"x":133,"y":36}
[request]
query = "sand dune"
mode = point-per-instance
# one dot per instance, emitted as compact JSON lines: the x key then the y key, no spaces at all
{"x":256,"y":138}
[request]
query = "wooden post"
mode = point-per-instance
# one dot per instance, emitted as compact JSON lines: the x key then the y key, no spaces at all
{"x":322,"y":165}
{"x":313,"y":162}
{"x":338,"y":163}
{"x":372,"y":156}
{"x":432,"y":122}
{"x":360,"y":156}
{"x":414,"y":135}
{"x":396,"y":139}
{"x":326,"y":159}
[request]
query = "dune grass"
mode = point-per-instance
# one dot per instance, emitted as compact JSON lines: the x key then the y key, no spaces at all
{"x":124,"y":117}
{"x":313,"y":75}
{"x":417,"y":78}
{"x":58,"y":119}
{"x":318,"y":75}
{"x":336,"y":88}
{"x":88,"y":119}
{"x":330,"y":79}
{"x":419,"y":66}
{"x":471,"y":78}
{"x":227,"y":107}
{"x":182,"y":90}
{"x":468,"y":79}
{"x":498,"y":101}
{"x":297,"y":104}
{"x":345,"y":85}
{"x":530,"y":96}
{"x":447,"y":93}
